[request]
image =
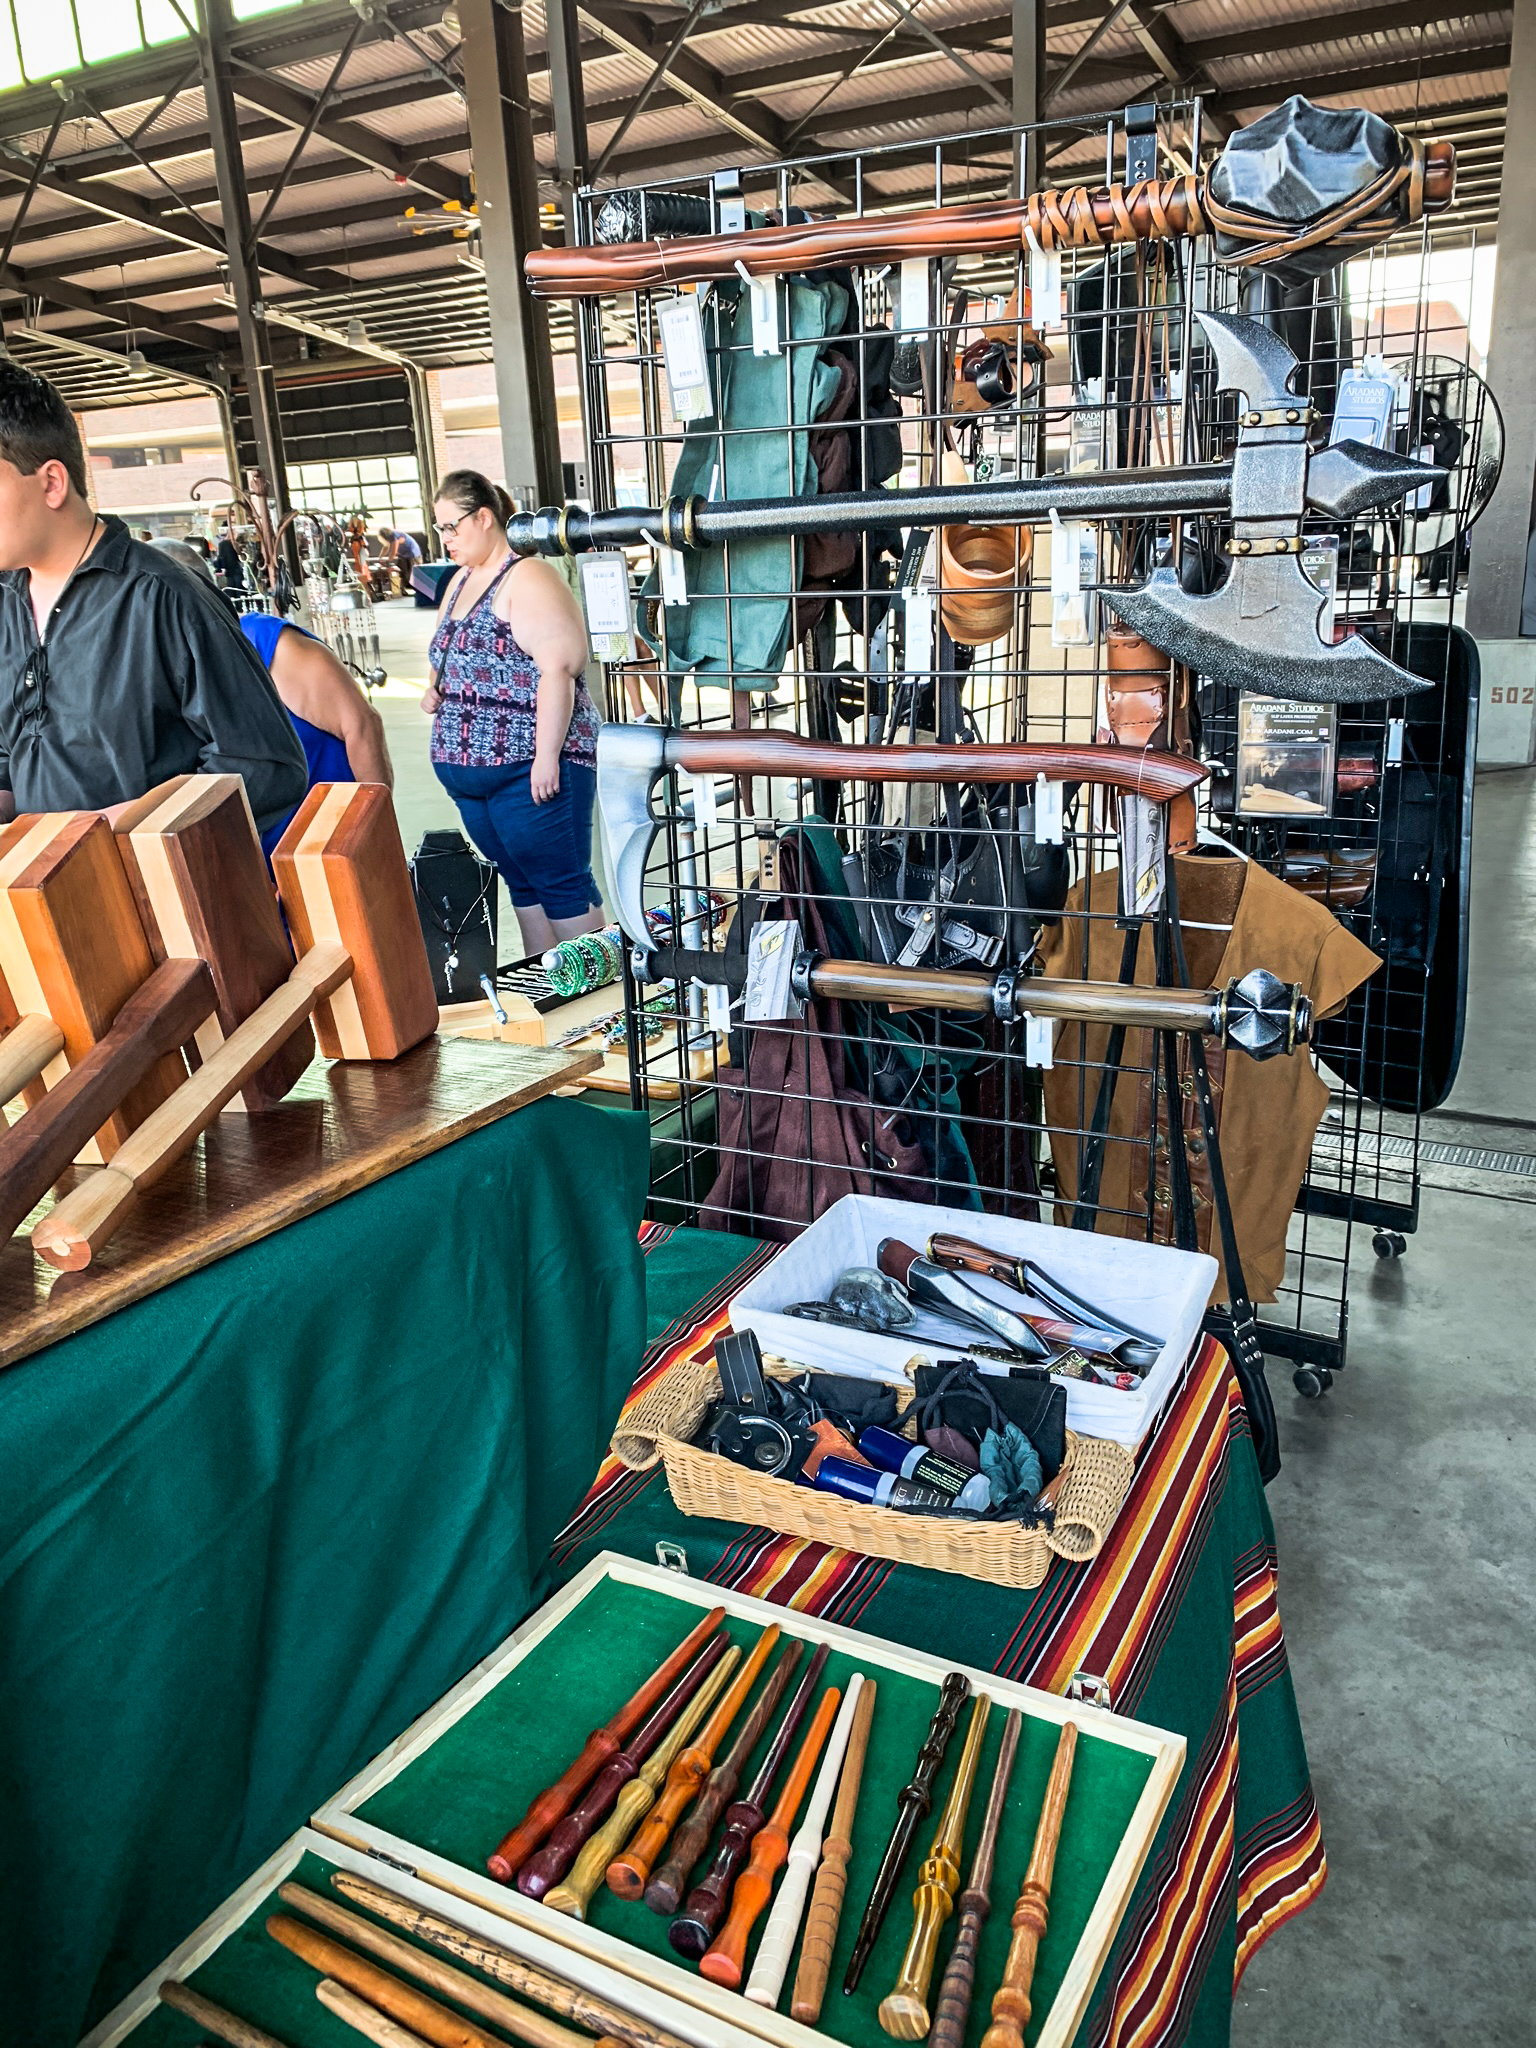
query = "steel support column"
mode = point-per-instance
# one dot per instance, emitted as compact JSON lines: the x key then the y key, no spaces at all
{"x":1029,"y":89}
{"x":506,"y":186}
{"x":215,"y":22}
{"x":568,"y":105}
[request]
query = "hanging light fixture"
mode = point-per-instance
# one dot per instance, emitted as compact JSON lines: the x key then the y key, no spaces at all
{"x":138,"y":363}
{"x":357,"y":333}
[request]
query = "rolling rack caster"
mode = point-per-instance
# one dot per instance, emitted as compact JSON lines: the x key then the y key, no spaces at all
{"x":1389,"y":1244}
{"x":1312,"y":1381}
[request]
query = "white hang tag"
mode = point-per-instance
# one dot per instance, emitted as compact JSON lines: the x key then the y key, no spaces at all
{"x":917,"y":642}
{"x":1044,"y":286}
{"x":605,"y":599}
{"x":772,"y":951}
{"x":765,"y":311}
{"x":1066,"y":556}
{"x":682,"y":347}
{"x":1049,"y":828}
{"x":717,"y":1007}
{"x":1394,"y":752}
{"x":914,"y":311}
{"x":705,"y":811}
{"x":1074,"y":563}
{"x":674,"y":575}
{"x":1039,"y":1042}
{"x":1143,"y":854}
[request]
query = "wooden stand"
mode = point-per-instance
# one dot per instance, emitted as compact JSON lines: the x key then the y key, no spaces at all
{"x":343,"y":1127}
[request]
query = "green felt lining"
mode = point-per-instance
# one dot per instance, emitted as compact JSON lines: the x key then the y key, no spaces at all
{"x":458,"y":1797}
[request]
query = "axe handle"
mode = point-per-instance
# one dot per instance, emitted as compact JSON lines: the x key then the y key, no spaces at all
{"x":1137,"y":771}
{"x":30,"y":1045}
{"x":157,"y":1019}
{"x":81,"y":1224}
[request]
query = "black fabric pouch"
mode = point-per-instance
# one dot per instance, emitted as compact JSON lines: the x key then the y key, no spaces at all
{"x":954,"y":1395}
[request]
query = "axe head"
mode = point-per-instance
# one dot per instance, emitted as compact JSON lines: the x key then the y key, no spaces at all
{"x":629,"y":759}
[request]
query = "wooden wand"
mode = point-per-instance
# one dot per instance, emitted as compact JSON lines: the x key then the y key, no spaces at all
{"x":629,"y":1872}
{"x":227,"y":2026}
{"x":904,"y":2010}
{"x":952,"y":2007}
{"x":826,"y":1912}
{"x":692,"y":1838}
{"x":574,"y":1894}
{"x":694,"y":1927}
{"x":913,"y":1802}
{"x":556,"y":1800}
{"x":777,"y":1944}
{"x":1010,"y":2004}
{"x":725,"y":1960}
{"x":548,"y":1865}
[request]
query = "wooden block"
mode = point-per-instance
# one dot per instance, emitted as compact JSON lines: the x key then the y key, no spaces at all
{"x":342,"y":876}
{"x":195,"y":864}
{"x":72,"y":946}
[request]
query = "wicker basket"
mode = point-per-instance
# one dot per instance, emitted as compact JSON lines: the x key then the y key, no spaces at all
{"x":1089,"y":1493}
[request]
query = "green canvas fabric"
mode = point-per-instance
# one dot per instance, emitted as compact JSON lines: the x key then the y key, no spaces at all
{"x":746,"y":636}
{"x":254,"y":1525}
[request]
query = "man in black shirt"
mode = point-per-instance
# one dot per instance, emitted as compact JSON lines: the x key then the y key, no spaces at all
{"x":117,"y":669}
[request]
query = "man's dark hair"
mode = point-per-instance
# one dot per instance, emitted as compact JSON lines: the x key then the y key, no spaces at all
{"x":36,"y":426}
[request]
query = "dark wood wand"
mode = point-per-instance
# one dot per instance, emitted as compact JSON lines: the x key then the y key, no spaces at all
{"x":952,"y":2007}
{"x":555,"y":1801}
{"x":693,"y":1929}
{"x":914,"y":1802}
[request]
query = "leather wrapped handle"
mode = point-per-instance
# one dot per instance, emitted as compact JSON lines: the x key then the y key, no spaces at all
{"x":1135,"y":771}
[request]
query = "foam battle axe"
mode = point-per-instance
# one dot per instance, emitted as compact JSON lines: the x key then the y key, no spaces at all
{"x":631,"y":758}
{"x":1293,"y":194}
{"x":362,"y":976}
{"x":1258,"y":631}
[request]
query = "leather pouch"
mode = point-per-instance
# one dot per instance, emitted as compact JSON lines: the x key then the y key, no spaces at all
{"x":953,"y":1396}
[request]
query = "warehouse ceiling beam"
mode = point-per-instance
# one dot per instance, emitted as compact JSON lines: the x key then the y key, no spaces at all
{"x":120,"y":312}
{"x":19,"y":218}
{"x":275,"y":96}
{"x":214,"y":21}
{"x":312,"y":121}
{"x":1320,"y":30}
{"x":1367,"y":78}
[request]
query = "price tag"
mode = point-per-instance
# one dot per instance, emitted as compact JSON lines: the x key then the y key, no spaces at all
{"x":917,"y":643}
{"x":1049,"y":828}
{"x":1039,"y":1042}
{"x":605,"y":598}
{"x":682,"y":348}
{"x":717,"y":1007}
{"x":674,"y":575}
{"x":1066,"y":556}
{"x":765,"y":311}
{"x":913,"y":310}
{"x":1044,"y":286}
{"x":705,"y":812}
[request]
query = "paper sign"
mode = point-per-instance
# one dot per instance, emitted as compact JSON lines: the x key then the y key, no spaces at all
{"x":914,"y":307}
{"x":682,"y":348}
{"x":705,"y":813}
{"x":917,"y":645}
{"x":674,"y":575}
{"x":1048,"y":812}
{"x":605,"y":598}
{"x":1039,"y":1042}
{"x":1044,"y":286}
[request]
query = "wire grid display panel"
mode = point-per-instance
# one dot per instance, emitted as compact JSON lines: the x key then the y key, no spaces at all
{"x":863,"y":651}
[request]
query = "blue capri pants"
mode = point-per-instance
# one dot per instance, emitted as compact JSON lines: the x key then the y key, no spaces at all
{"x":542,"y":851}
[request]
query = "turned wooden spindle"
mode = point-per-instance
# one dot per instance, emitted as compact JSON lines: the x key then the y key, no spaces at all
{"x":725,"y":1960}
{"x":546,"y":1866}
{"x":904,"y":2010}
{"x":574,"y":1894}
{"x":952,"y":2007}
{"x":821,"y":1923}
{"x":555,"y":1801}
{"x":629,"y":1872}
{"x":666,"y":1887}
{"x":1011,"y":2006}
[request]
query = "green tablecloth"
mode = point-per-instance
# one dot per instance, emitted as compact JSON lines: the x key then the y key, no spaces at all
{"x":252,"y":1526}
{"x":1179,"y":1614}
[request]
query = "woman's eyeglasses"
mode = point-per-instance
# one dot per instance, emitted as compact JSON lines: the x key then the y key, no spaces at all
{"x":447,"y":532}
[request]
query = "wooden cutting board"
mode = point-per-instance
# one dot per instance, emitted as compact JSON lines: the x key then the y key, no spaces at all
{"x":343,"y":1127}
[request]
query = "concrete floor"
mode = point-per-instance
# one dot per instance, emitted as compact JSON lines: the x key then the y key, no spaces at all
{"x":1403,"y":1517}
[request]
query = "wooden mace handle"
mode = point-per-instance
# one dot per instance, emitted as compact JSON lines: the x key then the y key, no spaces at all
{"x":413,"y":2009}
{"x":952,"y":2007}
{"x":960,"y":1255}
{"x":157,"y":1019}
{"x":83,"y":1222}
{"x":227,"y":2026}
{"x":1011,"y":2005}
{"x":725,"y":1961}
{"x":31,"y":1045}
{"x":629,"y":1872}
{"x":1136,"y":771}
{"x":548,"y":1806}
{"x":365,"y":2019}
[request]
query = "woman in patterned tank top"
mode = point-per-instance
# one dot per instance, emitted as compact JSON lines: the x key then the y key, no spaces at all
{"x":514,"y":733}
